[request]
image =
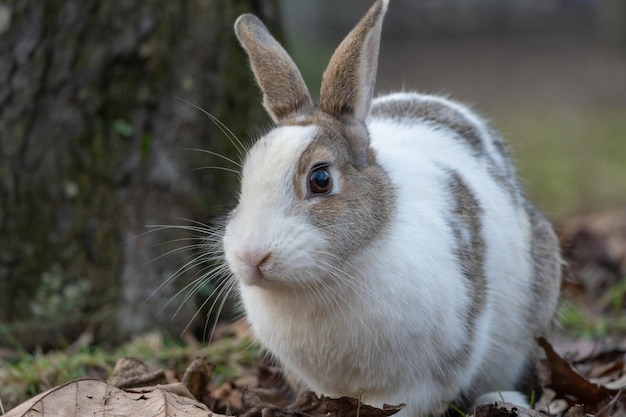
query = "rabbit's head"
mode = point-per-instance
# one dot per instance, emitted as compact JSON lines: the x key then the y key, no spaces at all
{"x":312,"y":193}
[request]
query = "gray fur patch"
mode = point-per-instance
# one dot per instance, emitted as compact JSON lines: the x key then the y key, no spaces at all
{"x":504,"y":173}
{"x":432,"y":112}
{"x":547,"y":269}
{"x":466,"y":226}
{"x":467,"y":229}
{"x":443,"y":116}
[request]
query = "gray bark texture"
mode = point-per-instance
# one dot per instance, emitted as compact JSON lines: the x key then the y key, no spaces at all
{"x":95,"y":145}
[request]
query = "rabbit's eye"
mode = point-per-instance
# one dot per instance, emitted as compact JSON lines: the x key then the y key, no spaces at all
{"x":320,"y":181}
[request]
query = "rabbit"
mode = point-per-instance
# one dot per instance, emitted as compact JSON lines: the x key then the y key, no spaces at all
{"x":383,"y":248}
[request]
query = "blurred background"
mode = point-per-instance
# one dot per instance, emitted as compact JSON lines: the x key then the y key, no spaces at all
{"x":96,"y":143}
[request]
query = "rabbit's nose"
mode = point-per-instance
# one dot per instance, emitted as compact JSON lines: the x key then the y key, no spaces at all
{"x":262,"y":261}
{"x":258,"y":261}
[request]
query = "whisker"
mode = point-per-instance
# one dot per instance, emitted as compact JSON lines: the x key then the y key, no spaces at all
{"x":206,"y":301}
{"x":223,"y":294}
{"x":197,"y":284}
{"x":193,"y":318}
{"x":219,"y":155}
{"x":225,"y":130}
{"x":234,"y":171}
{"x":206,"y":256}
{"x":178,"y":250}
{"x":192,"y":288}
{"x":214,"y":231}
{"x":184,"y":268}
{"x":205,"y":229}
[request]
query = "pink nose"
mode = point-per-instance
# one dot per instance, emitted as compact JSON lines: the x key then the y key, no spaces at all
{"x":257,"y":260}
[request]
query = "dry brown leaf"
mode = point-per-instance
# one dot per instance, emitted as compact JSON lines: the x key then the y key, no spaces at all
{"x":197,"y":378}
{"x":570,"y":385}
{"x":346,"y":406}
{"x":89,"y":397}
{"x":576,"y":411}
{"x":310,"y":405}
{"x":132,"y":373}
{"x":177,"y":388}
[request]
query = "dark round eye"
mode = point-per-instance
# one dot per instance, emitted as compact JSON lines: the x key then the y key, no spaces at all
{"x":320,"y":181}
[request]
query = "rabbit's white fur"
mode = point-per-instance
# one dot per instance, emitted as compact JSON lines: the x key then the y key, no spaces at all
{"x":428,"y":291}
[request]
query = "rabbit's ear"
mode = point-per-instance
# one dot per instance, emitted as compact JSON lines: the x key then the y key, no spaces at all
{"x":348,"y":82}
{"x":284,"y":92}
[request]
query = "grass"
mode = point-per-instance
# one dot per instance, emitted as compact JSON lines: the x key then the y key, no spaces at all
{"x":579,"y":322}
{"x":572,"y":159}
{"x":35,"y":373}
{"x":573,"y":320}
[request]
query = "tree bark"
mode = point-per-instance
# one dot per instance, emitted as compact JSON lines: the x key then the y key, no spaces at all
{"x":94,"y":146}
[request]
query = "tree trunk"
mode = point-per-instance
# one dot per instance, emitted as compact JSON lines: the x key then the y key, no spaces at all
{"x":95,"y":146}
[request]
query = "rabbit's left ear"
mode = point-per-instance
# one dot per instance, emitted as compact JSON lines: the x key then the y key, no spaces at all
{"x":348,"y":82}
{"x":284,"y":92}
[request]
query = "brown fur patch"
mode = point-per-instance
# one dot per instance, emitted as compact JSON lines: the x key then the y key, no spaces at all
{"x":284,"y":92}
{"x":348,"y":82}
{"x":348,"y":128}
{"x":365,"y":204}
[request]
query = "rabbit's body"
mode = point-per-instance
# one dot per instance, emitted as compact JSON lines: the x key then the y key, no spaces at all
{"x":384,"y":249}
{"x":439,"y":304}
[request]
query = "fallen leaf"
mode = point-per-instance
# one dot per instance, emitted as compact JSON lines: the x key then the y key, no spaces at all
{"x":576,"y":411}
{"x":197,"y":377}
{"x":310,"y":405}
{"x":570,"y":385}
{"x":131,"y":373}
{"x":177,"y":388}
{"x":89,"y":397}
{"x":346,"y":406}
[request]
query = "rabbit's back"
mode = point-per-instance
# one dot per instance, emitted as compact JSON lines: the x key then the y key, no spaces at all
{"x":458,"y":194}
{"x":459,"y":124}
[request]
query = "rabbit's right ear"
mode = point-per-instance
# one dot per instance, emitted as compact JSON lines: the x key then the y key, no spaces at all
{"x":348,"y":82}
{"x":285,"y":94}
